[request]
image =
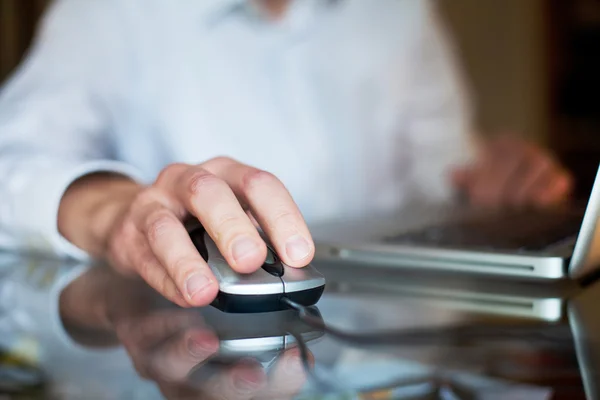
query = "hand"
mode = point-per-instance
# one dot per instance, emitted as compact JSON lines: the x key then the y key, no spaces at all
{"x":173,"y":348}
{"x":140,"y":230}
{"x":511,"y":172}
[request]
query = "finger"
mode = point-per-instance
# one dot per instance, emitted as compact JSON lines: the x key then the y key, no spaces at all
{"x":479,"y":187}
{"x":139,"y":335}
{"x":213,"y":202}
{"x":120,"y":244}
{"x":536,"y":177}
{"x":506,"y":178}
{"x":558,"y":191}
{"x":459,"y":177}
{"x":525,"y":173}
{"x":287,"y":378}
{"x":152,"y":271}
{"x":478,"y":170}
{"x":242,"y":381}
{"x":174,"y":361}
{"x":494,"y":175}
{"x":179,"y":258}
{"x":147,"y":331}
{"x":252,"y":219}
{"x":272,"y":206}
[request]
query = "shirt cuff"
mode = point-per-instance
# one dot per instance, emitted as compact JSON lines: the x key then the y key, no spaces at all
{"x":36,"y":213}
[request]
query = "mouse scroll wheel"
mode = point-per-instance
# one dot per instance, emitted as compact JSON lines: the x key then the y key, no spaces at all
{"x":272,"y":264}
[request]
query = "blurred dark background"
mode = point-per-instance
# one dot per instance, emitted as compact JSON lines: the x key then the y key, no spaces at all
{"x":534,"y":66}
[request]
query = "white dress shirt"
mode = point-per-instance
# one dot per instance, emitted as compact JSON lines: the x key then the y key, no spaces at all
{"x":356,"y":105}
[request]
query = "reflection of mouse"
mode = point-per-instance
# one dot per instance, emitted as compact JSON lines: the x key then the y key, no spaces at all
{"x":259,"y":335}
{"x":260,"y":291}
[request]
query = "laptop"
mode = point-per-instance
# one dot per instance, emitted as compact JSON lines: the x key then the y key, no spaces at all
{"x":549,"y":244}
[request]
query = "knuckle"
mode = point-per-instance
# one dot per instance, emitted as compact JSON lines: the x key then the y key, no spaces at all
{"x":285,"y":216}
{"x":221,"y":160}
{"x":170,"y":172}
{"x":145,"y":197}
{"x":228,"y":225}
{"x":200,"y":180}
{"x":158,"y":223}
{"x":220,"y":163}
{"x":258,"y":177}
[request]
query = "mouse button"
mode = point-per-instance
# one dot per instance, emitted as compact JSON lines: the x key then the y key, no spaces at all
{"x":198,"y":239}
{"x":299,"y":279}
{"x":257,"y":283}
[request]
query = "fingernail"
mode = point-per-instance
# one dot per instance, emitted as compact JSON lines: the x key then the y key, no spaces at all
{"x":195,"y":283}
{"x":297,"y":248}
{"x":244,"y":247}
{"x":248,"y":379}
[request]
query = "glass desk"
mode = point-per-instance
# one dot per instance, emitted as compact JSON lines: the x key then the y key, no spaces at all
{"x":71,"y":331}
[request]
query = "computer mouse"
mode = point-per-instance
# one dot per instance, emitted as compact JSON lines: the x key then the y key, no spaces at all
{"x":260,"y":291}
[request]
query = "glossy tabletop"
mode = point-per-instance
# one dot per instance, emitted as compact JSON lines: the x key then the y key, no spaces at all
{"x":81,"y":332}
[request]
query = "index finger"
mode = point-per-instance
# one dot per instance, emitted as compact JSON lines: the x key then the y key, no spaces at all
{"x":272,"y":206}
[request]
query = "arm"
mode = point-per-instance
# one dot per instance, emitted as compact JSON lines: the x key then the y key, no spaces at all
{"x":55,"y":120}
{"x":492,"y":173}
{"x":56,"y":124}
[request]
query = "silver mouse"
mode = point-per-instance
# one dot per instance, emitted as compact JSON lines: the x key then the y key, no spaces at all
{"x":260,"y":291}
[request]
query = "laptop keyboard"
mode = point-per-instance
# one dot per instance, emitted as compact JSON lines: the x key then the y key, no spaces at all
{"x":522,"y":231}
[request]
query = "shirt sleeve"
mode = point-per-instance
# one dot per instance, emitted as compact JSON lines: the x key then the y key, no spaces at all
{"x":56,"y":117}
{"x":440,"y":113}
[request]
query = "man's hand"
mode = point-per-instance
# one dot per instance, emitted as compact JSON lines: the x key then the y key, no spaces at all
{"x":140,"y":230}
{"x":174,"y":349}
{"x":511,"y":172}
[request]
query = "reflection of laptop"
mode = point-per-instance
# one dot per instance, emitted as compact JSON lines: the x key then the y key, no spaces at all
{"x":585,"y":324}
{"x":469,"y":294}
{"x":549,"y":244}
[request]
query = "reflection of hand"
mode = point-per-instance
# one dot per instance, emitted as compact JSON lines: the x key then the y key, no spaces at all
{"x":511,"y":172}
{"x":167,"y":346}
{"x":140,"y":230}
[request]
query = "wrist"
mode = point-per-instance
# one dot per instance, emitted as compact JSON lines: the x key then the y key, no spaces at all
{"x":90,"y":208}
